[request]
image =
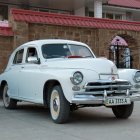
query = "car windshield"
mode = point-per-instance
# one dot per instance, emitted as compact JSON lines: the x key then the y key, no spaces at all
{"x":65,"y":50}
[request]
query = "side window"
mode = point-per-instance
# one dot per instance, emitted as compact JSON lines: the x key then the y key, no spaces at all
{"x":31,"y":52}
{"x":18,"y":57}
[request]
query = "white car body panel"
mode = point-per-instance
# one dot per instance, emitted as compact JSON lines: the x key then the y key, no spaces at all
{"x":26,"y":81}
{"x":128,"y":74}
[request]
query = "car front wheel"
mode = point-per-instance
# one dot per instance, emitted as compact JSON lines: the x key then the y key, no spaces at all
{"x":59,"y":106}
{"x":7,"y":101}
{"x":123,"y":111}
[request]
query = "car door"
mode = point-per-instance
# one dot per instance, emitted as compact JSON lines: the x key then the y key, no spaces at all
{"x":13,"y":73}
{"x":28,"y":75}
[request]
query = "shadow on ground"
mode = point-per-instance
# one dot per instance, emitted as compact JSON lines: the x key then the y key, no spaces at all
{"x":96,"y":115}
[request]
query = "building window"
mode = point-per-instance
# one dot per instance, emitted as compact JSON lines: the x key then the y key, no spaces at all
{"x":109,"y":15}
{"x":3,"y":12}
{"x":118,"y":16}
{"x":51,"y":10}
{"x":115,"y":16}
{"x":91,"y":14}
{"x":129,"y":16}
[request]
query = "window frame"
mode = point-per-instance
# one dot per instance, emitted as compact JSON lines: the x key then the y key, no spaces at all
{"x":26,"y":55}
{"x":68,"y":45}
{"x":114,"y":14}
{"x":15,"y":57}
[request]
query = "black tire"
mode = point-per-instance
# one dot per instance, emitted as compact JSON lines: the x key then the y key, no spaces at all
{"x":59,"y":106}
{"x":123,"y":111}
{"x":7,"y":101}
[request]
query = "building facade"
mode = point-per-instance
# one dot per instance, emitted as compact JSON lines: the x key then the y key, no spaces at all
{"x":94,"y":22}
{"x":112,"y":9}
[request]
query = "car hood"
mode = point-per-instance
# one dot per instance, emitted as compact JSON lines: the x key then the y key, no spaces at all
{"x":98,"y":65}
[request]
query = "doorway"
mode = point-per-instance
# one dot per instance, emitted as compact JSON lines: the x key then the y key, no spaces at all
{"x":120,"y":53}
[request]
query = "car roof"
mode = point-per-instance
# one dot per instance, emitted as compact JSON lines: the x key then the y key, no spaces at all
{"x":52,"y":41}
{"x":39,"y":43}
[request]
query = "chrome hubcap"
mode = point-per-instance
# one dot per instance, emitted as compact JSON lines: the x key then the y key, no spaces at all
{"x":55,"y":104}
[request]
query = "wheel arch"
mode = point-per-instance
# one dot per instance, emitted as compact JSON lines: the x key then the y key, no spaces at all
{"x":47,"y":88}
{"x":3,"y":83}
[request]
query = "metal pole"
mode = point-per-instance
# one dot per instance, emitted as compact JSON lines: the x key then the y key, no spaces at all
{"x":117,"y":54}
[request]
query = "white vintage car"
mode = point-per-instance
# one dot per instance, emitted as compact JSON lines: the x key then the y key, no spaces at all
{"x":65,"y":75}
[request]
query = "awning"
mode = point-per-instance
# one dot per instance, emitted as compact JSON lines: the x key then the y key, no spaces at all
{"x":118,"y":41}
{"x":6,"y":31}
{"x":70,"y":20}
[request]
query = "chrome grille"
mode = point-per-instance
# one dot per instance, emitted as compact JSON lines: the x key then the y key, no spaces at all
{"x":111,"y":87}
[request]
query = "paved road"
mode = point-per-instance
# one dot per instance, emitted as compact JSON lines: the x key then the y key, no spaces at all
{"x":31,"y":122}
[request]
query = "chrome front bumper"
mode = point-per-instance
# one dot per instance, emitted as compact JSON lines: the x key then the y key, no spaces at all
{"x":96,"y":93}
{"x":86,"y":98}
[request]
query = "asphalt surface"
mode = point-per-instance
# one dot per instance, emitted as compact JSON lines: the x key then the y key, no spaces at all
{"x":32,"y":122}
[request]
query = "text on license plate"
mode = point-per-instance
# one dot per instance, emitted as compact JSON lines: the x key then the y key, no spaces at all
{"x":117,"y":101}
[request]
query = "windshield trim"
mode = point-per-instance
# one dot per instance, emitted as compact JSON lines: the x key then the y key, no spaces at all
{"x":91,"y":55}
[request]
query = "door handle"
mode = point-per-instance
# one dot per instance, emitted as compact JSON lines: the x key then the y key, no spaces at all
{"x":22,"y":67}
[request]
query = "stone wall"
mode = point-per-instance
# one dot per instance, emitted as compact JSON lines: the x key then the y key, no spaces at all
{"x":98,"y":39}
{"x":86,"y":35}
{"x":21,"y":31}
{"x":6,"y":47}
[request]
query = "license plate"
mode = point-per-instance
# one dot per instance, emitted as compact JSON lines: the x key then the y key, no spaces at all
{"x":117,"y":101}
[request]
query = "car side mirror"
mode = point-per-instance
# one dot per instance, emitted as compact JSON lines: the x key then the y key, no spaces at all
{"x":33,"y":60}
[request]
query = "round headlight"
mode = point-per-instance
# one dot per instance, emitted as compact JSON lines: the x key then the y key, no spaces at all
{"x":77,"y":78}
{"x":137,"y":77}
